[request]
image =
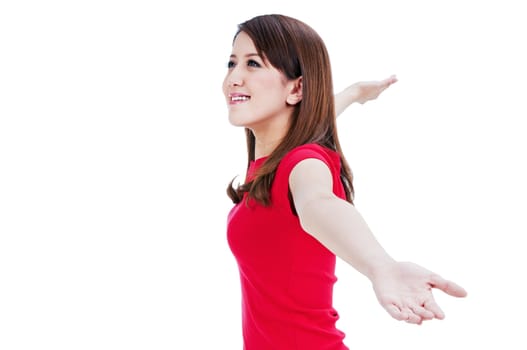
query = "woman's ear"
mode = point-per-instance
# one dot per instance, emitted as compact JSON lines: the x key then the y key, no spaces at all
{"x":295,"y":95}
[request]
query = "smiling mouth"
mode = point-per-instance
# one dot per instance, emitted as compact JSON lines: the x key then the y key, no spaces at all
{"x":238,"y":99}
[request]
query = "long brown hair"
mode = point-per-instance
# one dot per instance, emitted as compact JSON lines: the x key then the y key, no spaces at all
{"x":295,"y":49}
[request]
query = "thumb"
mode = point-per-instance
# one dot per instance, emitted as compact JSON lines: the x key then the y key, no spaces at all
{"x":447,"y":286}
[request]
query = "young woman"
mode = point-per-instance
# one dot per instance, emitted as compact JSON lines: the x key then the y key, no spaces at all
{"x":294,"y":213}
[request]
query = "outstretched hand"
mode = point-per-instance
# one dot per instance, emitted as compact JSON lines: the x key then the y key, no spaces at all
{"x":361,"y":92}
{"x":405,"y":292}
{"x":364,"y":91}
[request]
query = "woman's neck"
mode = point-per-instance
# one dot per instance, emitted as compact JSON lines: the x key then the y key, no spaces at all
{"x":267,"y":139}
{"x":263,"y":148}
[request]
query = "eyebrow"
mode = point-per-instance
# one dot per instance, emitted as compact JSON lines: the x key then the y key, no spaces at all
{"x":248,"y":55}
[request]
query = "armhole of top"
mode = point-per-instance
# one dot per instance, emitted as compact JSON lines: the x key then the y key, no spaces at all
{"x":291,"y":201}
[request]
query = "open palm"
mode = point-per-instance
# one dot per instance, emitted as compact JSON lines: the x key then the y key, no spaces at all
{"x":404,"y":289}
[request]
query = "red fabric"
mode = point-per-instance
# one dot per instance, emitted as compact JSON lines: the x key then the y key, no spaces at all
{"x":286,"y":275}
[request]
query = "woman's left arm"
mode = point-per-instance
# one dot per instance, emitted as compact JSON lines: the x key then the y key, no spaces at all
{"x":404,"y":289}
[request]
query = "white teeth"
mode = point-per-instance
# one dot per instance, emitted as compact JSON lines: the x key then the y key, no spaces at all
{"x":239,"y":98}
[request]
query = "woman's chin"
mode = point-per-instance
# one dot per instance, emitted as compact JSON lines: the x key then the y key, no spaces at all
{"x":236,"y":122}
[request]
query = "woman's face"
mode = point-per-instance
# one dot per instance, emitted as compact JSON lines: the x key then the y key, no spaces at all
{"x":256,"y":93}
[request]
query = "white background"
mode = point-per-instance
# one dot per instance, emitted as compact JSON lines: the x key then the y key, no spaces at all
{"x":115,"y":151}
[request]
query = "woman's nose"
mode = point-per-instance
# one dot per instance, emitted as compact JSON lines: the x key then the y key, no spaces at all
{"x":235,"y":82}
{"x":235,"y":78}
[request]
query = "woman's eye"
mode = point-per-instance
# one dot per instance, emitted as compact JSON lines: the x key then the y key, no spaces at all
{"x":253,"y":63}
{"x":230,"y":64}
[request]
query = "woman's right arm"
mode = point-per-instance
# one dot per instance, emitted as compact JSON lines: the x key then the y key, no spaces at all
{"x":361,"y":92}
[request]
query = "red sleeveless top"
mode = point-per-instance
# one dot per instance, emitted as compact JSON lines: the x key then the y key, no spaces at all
{"x":286,"y":275}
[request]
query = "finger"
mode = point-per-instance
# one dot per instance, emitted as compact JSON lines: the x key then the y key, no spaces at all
{"x":422,"y":312}
{"x":432,"y":306}
{"x":396,"y":312}
{"x":390,"y":80}
{"x":448,"y":287}
{"x":412,"y":317}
